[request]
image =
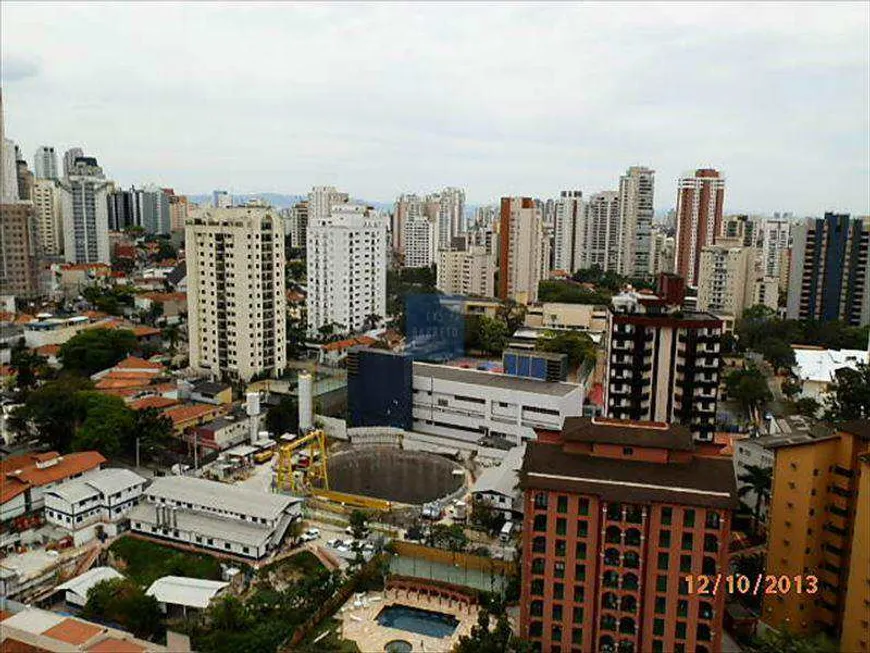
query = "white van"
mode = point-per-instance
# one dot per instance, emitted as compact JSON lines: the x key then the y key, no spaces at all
{"x":506,"y":531}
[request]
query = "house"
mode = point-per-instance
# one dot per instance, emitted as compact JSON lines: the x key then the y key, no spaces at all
{"x":172,"y":305}
{"x":177,"y":278}
{"x":224,"y":432}
{"x":211,"y":392}
{"x":214,"y":516}
{"x":25,"y":629}
{"x":76,"y":589}
{"x":816,"y":367}
{"x":497,"y":486}
{"x":88,"y":507}
{"x":334,"y":352}
{"x":185,"y":416}
{"x":132,"y":373}
{"x":69,"y":279}
{"x":177,"y":594}
{"x":50,"y":354}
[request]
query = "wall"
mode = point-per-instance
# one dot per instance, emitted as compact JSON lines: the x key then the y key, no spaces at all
{"x":442,"y":556}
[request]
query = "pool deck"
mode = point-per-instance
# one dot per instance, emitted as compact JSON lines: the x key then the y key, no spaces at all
{"x":359,"y":621}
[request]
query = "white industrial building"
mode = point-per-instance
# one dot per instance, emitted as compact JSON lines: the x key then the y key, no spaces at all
{"x":215,"y":516}
{"x":816,"y":368}
{"x":468,"y":405}
{"x":497,"y":485}
{"x":347,"y":268}
{"x":76,"y":589}
{"x":100,"y":500}
{"x":174,"y":592}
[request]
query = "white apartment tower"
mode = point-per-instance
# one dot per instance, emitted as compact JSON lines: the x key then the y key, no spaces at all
{"x":420,"y":240}
{"x":522,"y":250}
{"x":347,"y":266}
{"x":568,"y":231}
{"x":69,"y":159}
{"x":321,"y":199}
{"x":45,"y":163}
{"x":236,"y":291}
{"x":726,"y":279}
{"x":603,"y":233}
{"x":775,"y":235}
{"x":636,"y":190}
{"x":451,"y":214}
{"x":47,"y":201}
{"x":8,"y":167}
{"x":466,"y":272}
{"x":84,"y":193}
{"x":296,"y":225}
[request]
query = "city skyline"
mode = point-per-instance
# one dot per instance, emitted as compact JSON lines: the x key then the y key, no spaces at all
{"x":381,"y":120}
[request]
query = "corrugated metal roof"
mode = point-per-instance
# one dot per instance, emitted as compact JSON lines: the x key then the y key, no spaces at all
{"x":233,"y":530}
{"x":190,"y":592}
{"x":81,"y":584}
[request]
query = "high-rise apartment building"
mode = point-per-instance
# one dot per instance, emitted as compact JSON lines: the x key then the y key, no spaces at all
{"x":636,"y":209}
{"x":19,"y":250}
{"x":147,"y":207}
{"x":69,"y":159}
{"x":84,"y":194}
{"x":662,"y":247}
{"x":420,"y":242}
{"x":8,"y":167}
{"x":816,"y":509}
{"x":662,"y":362}
{"x":45,"y":163}
{"x":829,"y":278}
{"x":25,"y":180}
{"x":603,"y":232}
{"x":726,"y":278}
{"x":236,"y":292}
{"x":408,"y":206}
{"x":451,"y":214}
{"x":347,"y":267}
{"x":568,"y":224}
{"x":296,"y":225}
{"x":221,"y":199}
{"x":469,"y":271}
{"x":321,"y":199}
{"x":700,"y":202}
{"x":775,"y":240}
{"x":616,"y":516}
{"x":521,"y":250}
{"x":49,"y":217}
{"x":179,"y":207}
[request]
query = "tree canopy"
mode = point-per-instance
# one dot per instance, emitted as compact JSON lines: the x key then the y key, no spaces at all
{"x":566,"y":292}
{"x":108,"y":425}
{"x":577,"y":345}
{"x":284,"y":417}
{"x":92,"y":350}
{"x":54,"y":411}
{"x":849,"y":395}
{"x":123,"y":602}
{"x":748,"y":386}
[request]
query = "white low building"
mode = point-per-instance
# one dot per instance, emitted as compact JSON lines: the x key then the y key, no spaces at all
{"x":99,"y":501}
{"x":215,"y":516}
{"x":816,"y":368}
{"x":76,"y":589}
{"x":497,"y":485}
{"x":468,"y":405}
{"x":173,"y":592}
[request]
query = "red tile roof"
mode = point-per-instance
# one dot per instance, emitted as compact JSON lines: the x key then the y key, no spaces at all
{"x":112,"y":645}
{"x":350,"y":342}
{"x":48,"y":350}
{"x":21,"y":472}
{"x":188,"y":413}
{"x":73,"y":631}
{"x":161,"y":297}
{"x":85,"y":266}
{"x":152,"y":402}
{"x":133,"y":362}
{"x":143,"y":331}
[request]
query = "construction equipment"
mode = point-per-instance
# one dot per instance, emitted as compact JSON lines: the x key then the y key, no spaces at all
{"x":354,"y":500}
{"x":298,"y":478}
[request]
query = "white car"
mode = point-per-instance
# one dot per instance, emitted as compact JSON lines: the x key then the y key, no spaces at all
{"x":313,"y":532}
{"x":334,"y":543}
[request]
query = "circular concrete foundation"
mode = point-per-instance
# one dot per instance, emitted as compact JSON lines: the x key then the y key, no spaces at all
{"x":411,"y":477}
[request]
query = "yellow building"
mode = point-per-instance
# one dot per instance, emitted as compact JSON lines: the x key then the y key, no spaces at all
{"x":812,"y":513}
{"x":856,"y":615}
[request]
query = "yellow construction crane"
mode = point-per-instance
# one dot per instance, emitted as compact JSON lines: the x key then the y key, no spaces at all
{"x":315,"y":475}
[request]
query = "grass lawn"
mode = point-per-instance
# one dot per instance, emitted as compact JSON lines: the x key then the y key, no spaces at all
{"x":145,"y":561}
{"x":303,"y":563}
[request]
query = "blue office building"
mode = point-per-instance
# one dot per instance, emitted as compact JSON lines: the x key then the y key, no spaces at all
{"x":379,"y":388}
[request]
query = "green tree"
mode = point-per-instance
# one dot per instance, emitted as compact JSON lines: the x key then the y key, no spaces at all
{"x":451,"y":537}
{"x":570,"y":293}
{"x":54,"y":411}
{"x":297,"y":271}
{"x":284,"y":417}
{"x":122,"y":601}
{"x":512,"y":314}
{"x":153,"y":429}
{"x":485,"y":516}
{"x":485,"y":638}
{"x":228,"y":613}
{"x":790,"y":388}
{"x":165,"y":250}
{"x":578,"y":346}
{"x":92,"y":350}
{"x":172,"y":334}
{"x":107,"y":427}
{"x":493,"y":335}
{"x":27,"y":365}
{"x":371,"y":321}
{"x":778,"y":353}
{"x":748,"y":386}
{"x":849,"y":394}
{"x":807,"y":407}
{"x":358,"y":523}
{"x":784,"y":641}
{"x":758,"y":480}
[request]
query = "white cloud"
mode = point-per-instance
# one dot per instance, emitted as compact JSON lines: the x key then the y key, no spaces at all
{"x":502,"y":99}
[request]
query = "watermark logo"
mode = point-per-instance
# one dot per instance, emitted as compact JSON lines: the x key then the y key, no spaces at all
{"x":435,"y":327}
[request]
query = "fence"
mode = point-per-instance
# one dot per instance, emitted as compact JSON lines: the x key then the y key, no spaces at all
{"x":456,"y":559}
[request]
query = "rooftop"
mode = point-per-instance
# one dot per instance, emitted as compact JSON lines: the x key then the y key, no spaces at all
{"x":233,"y":498}
{"x":186,"y":412}
{"x":820,"y":365}
{"x":42,"y":469}
{"x":190,"y":592}
{"x":655,"y":435}
{"x":152,"y":402}
{"x":209,"y":388}
{"x":82,"y":583}
{"x":477,"y":377}
{"x":503,"y":477}
{"x":133,"y":362}
{"x":73,"y":631}
{"x":703,"y":481}
{"x":207,"y":526}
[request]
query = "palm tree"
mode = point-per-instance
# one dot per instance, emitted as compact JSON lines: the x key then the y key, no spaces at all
{"x":760,"y":481}
{"x":172,"y":334}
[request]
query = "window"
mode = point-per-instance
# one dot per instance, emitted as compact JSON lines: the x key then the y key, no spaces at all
{"x":681,"y":630}
{"x":538,"y":587}
{"x":541,"y":500}
{"x":556,"y":633}
{"x":540,"y":523}
{"x":658,"y":626}
{"x":627,"y":451}
{"x":557,"y":612}
{"x":582,"y":528}
{"x":558,"y":591}
{"x":667,"y":515}
{"x":687,"y":542}
{"x":559,"y":570}
{"x":538,"y":566}
{"x":661,"y":583}
{"x":536,"y":628}
{"x":664,"y":559}
{"x":661,"y":605}
{"x":579,"y":594}
{"x":539,"y":544}
{"x":580,"y":571}
{"x":688,"y":518}
{"x":561,"y":526}
{"x":580,"y":550}
{"x":536,"y":609}
{"x":561,"y":548}
{"x":578,"y":616}
{"x":685,"y":563}
{"x":584,"y":506}
{"x":664,"y":539}
{"x":577,"y":636}
{"x":561,"y":503}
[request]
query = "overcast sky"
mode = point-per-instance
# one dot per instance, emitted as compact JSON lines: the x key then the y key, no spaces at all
{"x":502,"y":99}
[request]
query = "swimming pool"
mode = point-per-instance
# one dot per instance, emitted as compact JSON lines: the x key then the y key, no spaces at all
{"x":417,"y":620}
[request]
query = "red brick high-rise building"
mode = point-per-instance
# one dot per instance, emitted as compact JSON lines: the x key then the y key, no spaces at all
{"x":700,"y":202}
{"x":617,"y":514}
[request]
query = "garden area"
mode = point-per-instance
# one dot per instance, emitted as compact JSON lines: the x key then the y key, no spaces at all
{"x":145,"y":562}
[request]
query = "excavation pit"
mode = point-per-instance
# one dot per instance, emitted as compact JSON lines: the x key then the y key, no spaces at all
{"x":411,"y":477}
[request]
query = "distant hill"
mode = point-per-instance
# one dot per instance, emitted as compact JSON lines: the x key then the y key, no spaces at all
{"x":278,"y":200}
